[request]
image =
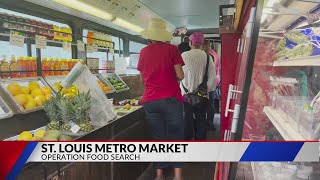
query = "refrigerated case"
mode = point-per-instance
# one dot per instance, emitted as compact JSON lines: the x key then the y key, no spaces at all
{"x":275,"y":96}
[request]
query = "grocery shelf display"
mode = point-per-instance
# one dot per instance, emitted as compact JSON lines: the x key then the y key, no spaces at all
{"x":276,"y":90}
{"x":28,"y":94}
{"x":117,"y":83}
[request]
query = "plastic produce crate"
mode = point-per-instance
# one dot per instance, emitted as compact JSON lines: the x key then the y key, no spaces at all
{"x":106,"y":83}
{"x":51,"y":80}
{"x":22,"y":82}
{"x":5,"y":111}
{"x":118,"y":84}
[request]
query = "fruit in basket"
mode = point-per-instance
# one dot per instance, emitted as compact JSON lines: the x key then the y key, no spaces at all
{"x":21,"y":99}
{"x":86,"y":127}
{"x":29,"y":97}
{"x":33,"y":85}
{"x":14,"y":88}
{"x":25,"y":90}
{"x":46,"y":90}
{"x":30,"y":104}
{"x":39,"y":134}
{"x":57,"y":85}
{"x":53,"y":134}
{"x":25,"y":136}
{"x":127,"y":106}
{"x":40,"y":100}
{"x":70,"y":95}
{"x":37,"y":92}
{"x":48,"y":96}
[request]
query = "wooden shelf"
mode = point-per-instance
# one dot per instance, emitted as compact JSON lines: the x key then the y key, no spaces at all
{"x":306,"y":61}
{"x":287,"y":127}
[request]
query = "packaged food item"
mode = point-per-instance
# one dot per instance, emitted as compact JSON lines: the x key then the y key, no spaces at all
{"x":52,"y":67}
{"x":29,"y":66}
{"x":57,"y":67}
{"x":45,"y":67}
{"x":34,"y":66}
{"x":281,"y":44}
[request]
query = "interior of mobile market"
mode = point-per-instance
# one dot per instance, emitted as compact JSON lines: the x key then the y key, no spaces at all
{"x":268,"y":52}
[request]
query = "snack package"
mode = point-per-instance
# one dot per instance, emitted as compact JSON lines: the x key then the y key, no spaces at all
{"x":285,"y":86}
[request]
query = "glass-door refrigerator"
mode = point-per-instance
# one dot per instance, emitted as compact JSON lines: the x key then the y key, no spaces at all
{"x":277,"y":86}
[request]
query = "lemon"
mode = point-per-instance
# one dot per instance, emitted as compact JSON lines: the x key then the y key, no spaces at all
{"x":46,"y":90}
{"x":40,"y":100}
{"x":21,"y":99}
{"x":33,"y":85}
{"x":64,"y":91}
{"x":70,"y":95}
{"x":25,"y":136}
{"x":14,"y":88}
{"x":30,"y":104}
{"x":29,"y":97}
{"x":57,"y":85}
{"x":39,"y":134}
{"x":25,"y":90}
{"x":37,"y":92}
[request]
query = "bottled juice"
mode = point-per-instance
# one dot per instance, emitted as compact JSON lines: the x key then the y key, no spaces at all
{"x":74,"y":62}
{"x":28,"y":66}
{"x":57,"y":67}
{"x":45,"y":67}
{"x":14,"y":68}
{"x":4,"y":68}
{"x":22,"y":67}
{"x":70,"y":64}
{"x":34,"y":66}
{"x":62,"y":66}
{"x":52,"y":67}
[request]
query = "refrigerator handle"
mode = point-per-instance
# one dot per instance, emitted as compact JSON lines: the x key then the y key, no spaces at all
{"x":232,"y":94}
{"x":235,"y":118}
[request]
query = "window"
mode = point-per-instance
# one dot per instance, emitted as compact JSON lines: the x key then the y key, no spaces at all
{"x":135,"y":47}
{"x":52,"y":52}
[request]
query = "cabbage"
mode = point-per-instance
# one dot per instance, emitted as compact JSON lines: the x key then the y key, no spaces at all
{"x":301,"y":50}
{"x":297,"y":37}
{"x":281,"y":44}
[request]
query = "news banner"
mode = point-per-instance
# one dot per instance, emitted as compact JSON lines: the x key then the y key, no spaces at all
{"x":14,"y":155}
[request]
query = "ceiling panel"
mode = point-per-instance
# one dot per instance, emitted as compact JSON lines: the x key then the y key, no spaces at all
{"x":193,"y":14}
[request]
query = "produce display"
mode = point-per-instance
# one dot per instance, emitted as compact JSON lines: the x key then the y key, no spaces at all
{"x":297,"y":44}
{"x":55,"y":83}
{"x":105,"y":85}
{"x":116,"y":82}
{"x":43,"y":135}
{"x":28,"y":94}
{"x":126,"y":106}
{"x":65,"y":112}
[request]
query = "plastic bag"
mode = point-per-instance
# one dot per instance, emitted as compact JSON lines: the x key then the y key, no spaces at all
{"x":101,"y":111}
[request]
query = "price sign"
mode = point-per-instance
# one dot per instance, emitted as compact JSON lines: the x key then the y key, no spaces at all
{"x":16,"y":39}
{"x":66,"y":46}
{"x":41,"y":42}
{"x":80,"y":46}
{"x":92,"y":48}
{"x":111,"y":51}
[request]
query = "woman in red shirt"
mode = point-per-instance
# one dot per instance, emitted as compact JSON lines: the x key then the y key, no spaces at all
{"x":160,"y":65}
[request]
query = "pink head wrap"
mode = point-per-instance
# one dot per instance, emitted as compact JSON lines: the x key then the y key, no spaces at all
{"x":197,"y":39}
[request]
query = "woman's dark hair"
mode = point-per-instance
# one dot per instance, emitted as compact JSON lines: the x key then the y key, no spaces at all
{"x":183,"y":47}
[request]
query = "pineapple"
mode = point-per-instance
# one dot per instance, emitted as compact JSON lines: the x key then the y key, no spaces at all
{"x":79,"y":112}
{"x":64,"y":104}
{"x":52,"y":112}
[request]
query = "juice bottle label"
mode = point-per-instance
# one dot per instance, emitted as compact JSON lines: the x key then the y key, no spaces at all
{"x":4,"y":67}
{"x":13,"y":70}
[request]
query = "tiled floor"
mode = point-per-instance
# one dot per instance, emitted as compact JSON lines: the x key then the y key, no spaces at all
{"x":192,"y":171}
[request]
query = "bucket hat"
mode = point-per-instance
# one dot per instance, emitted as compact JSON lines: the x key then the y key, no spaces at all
{"x":157,"y":31}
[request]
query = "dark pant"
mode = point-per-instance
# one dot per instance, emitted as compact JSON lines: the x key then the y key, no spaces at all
{"x":211,"y":111}
{"x":195,"y":123}
{"x":165,"y":122}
